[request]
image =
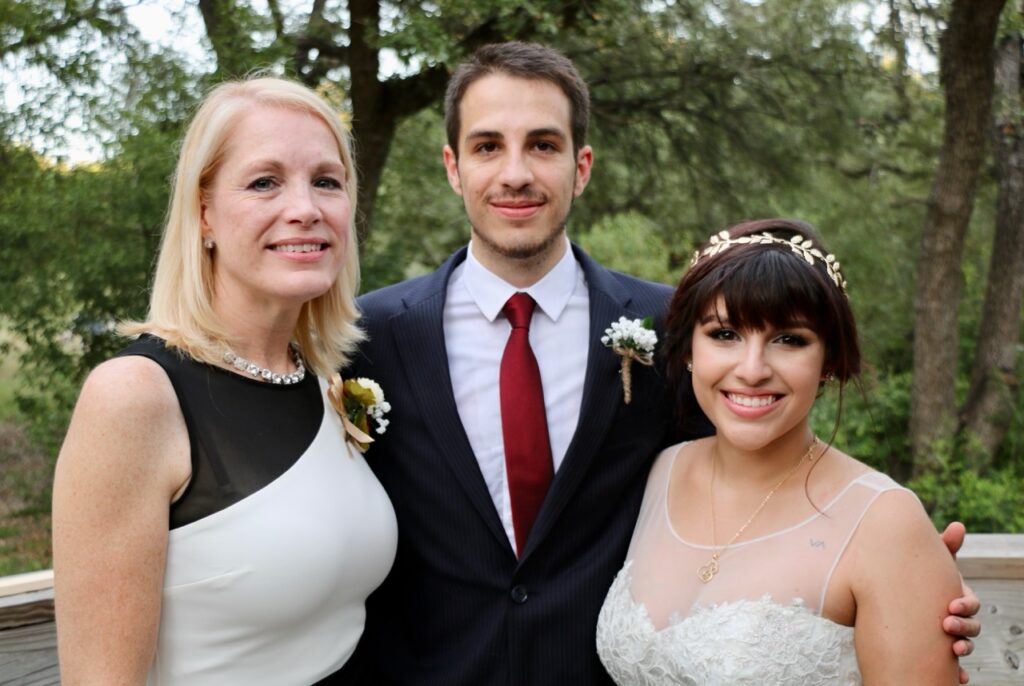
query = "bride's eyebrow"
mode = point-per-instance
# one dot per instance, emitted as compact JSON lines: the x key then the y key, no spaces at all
{"x":713,"y":316}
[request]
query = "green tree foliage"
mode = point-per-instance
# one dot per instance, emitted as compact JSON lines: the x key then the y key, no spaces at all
{"x":79,"y":241}
{"x":705,"y":113}
{"x":57,"y":53}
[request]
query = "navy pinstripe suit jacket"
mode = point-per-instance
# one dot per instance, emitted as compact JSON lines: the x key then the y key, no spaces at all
{"x":458,"y":607}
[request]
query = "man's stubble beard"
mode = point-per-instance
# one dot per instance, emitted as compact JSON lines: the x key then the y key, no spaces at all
{"x":529,"y":252}
{"x":532,"y":252}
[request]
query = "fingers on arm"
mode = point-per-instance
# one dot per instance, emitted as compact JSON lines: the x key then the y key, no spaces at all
{"x":965,"y":607}
{"x":953,"y":536}
{"x":904,"y":580}
{"x":125,"y":454}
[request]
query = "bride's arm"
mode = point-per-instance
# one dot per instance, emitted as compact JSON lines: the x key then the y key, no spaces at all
{"x":902,"y":580}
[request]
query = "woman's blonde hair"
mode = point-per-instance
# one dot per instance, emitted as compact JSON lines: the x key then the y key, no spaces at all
{"x":181,"y":302}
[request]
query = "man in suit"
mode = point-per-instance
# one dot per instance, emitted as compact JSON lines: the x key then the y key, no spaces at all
{"x":484,"y":589}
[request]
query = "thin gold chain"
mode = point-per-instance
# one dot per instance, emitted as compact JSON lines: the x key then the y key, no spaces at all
{"x":707,"y":571}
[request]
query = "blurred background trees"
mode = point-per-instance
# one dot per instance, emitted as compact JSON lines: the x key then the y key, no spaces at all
{"x":852,"y":115}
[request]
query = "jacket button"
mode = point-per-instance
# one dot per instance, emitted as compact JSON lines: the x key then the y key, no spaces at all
{"x":520,"y":594}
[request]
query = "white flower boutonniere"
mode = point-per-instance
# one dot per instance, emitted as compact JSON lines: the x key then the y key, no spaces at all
{"x":359,"y":402}
{"x":631,"y":339}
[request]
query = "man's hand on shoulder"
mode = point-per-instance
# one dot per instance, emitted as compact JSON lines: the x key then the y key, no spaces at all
{"x":960,"y":622}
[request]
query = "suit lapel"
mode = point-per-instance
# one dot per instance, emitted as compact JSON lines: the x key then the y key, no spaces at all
{"x":419,"y":337}
{"x":602,"y":394}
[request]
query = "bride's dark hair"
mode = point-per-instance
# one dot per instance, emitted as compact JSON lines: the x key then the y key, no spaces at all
{"x":764,"y":285}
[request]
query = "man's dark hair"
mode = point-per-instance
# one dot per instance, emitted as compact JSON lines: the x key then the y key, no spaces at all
{"x":525,"y":61}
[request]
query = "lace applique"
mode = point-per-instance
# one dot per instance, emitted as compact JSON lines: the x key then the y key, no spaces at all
{"x":745,"y":642}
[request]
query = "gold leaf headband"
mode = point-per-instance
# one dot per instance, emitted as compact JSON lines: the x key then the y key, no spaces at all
{"x":799,"y":244}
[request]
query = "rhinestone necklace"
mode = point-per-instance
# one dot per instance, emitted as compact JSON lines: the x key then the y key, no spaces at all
{"x":264,"y":374}
{"x":707,"y":571}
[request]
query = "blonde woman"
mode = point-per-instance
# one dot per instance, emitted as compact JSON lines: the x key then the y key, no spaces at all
{"x":211,"y":523}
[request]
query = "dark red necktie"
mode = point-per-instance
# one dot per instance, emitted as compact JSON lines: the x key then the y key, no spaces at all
{"x":524,"y":424}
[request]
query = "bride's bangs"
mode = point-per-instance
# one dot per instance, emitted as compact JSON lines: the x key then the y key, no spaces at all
{"x":767,"y":289}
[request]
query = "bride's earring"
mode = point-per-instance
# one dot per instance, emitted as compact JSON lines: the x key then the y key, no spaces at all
{"x":689,"y":367}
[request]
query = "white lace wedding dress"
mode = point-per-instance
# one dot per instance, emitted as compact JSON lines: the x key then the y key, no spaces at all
{"x":758,"y":621}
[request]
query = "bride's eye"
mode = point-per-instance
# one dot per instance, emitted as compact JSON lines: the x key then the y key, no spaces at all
{"x":723,"y":334}
{"x":792,"y":339}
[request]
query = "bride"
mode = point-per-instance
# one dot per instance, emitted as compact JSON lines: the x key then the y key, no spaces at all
{"x":764,"y":555}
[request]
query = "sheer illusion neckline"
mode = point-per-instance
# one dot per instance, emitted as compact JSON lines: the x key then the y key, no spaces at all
{"x":622,"y":586}
{"x":764,"y":537}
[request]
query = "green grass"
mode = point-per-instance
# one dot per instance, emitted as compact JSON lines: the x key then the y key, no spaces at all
{"x":25,"y":544}
{"x":9,"y":382}
{"x":26,"y":474}
{"x":8,"y":406}
{"x":25,"y":479}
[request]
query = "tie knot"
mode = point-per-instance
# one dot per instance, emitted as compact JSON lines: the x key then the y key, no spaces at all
{"x":518,"y":310}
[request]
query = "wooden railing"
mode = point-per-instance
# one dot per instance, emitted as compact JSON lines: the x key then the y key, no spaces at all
{"x":28,"y":639}
{"x":993,"y":565}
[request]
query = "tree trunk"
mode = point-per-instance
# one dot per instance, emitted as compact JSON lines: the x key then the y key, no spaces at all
{"x":231,"y":43}
{"x":378,"y":106}
{"x":898,"y":39}
{"x":967,"y":74}
{"x":373,"y":125}
{"x":986,"y":413}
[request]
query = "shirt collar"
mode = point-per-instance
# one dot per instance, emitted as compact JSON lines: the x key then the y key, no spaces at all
{"x":490,"y":292}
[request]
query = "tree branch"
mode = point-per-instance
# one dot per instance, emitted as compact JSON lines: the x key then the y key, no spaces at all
{"x":92,"y":16}
{"x":277,"y":17}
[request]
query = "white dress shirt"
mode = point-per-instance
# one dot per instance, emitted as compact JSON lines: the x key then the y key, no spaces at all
{"x":475,"y":332}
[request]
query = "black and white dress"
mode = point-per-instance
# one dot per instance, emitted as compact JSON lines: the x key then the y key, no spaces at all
{"x":277,"y":540}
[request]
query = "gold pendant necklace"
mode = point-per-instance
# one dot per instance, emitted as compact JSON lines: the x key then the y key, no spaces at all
{"x":707,"y":571}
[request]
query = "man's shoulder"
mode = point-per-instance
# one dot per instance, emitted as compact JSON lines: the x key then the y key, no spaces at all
{"x":396,"y":297}
{"x":643,"y":285}
{"x":610,"y":279}
{"x":391,"y":297}
{"x":645,"y":295}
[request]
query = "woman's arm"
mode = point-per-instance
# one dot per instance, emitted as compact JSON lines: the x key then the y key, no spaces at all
{"x":902,"y":579}
{"x":125,"y":454}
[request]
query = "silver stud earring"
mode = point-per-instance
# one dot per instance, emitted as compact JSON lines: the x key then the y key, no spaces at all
{"x":689,"y":367}
{"x":208,"y":243}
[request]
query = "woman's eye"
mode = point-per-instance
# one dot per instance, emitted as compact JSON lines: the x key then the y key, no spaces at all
{"x":723,"y":335}
{"x":792,"y":339}
{"x":328,"y":182}
{"x":264,"y":183}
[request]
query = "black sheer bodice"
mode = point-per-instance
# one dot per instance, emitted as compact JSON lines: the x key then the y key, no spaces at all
{"x":243,"y":433}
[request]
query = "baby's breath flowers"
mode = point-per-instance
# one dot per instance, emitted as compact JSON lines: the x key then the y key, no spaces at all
{"x":631,"y":339}
{"x":357,"y":402}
